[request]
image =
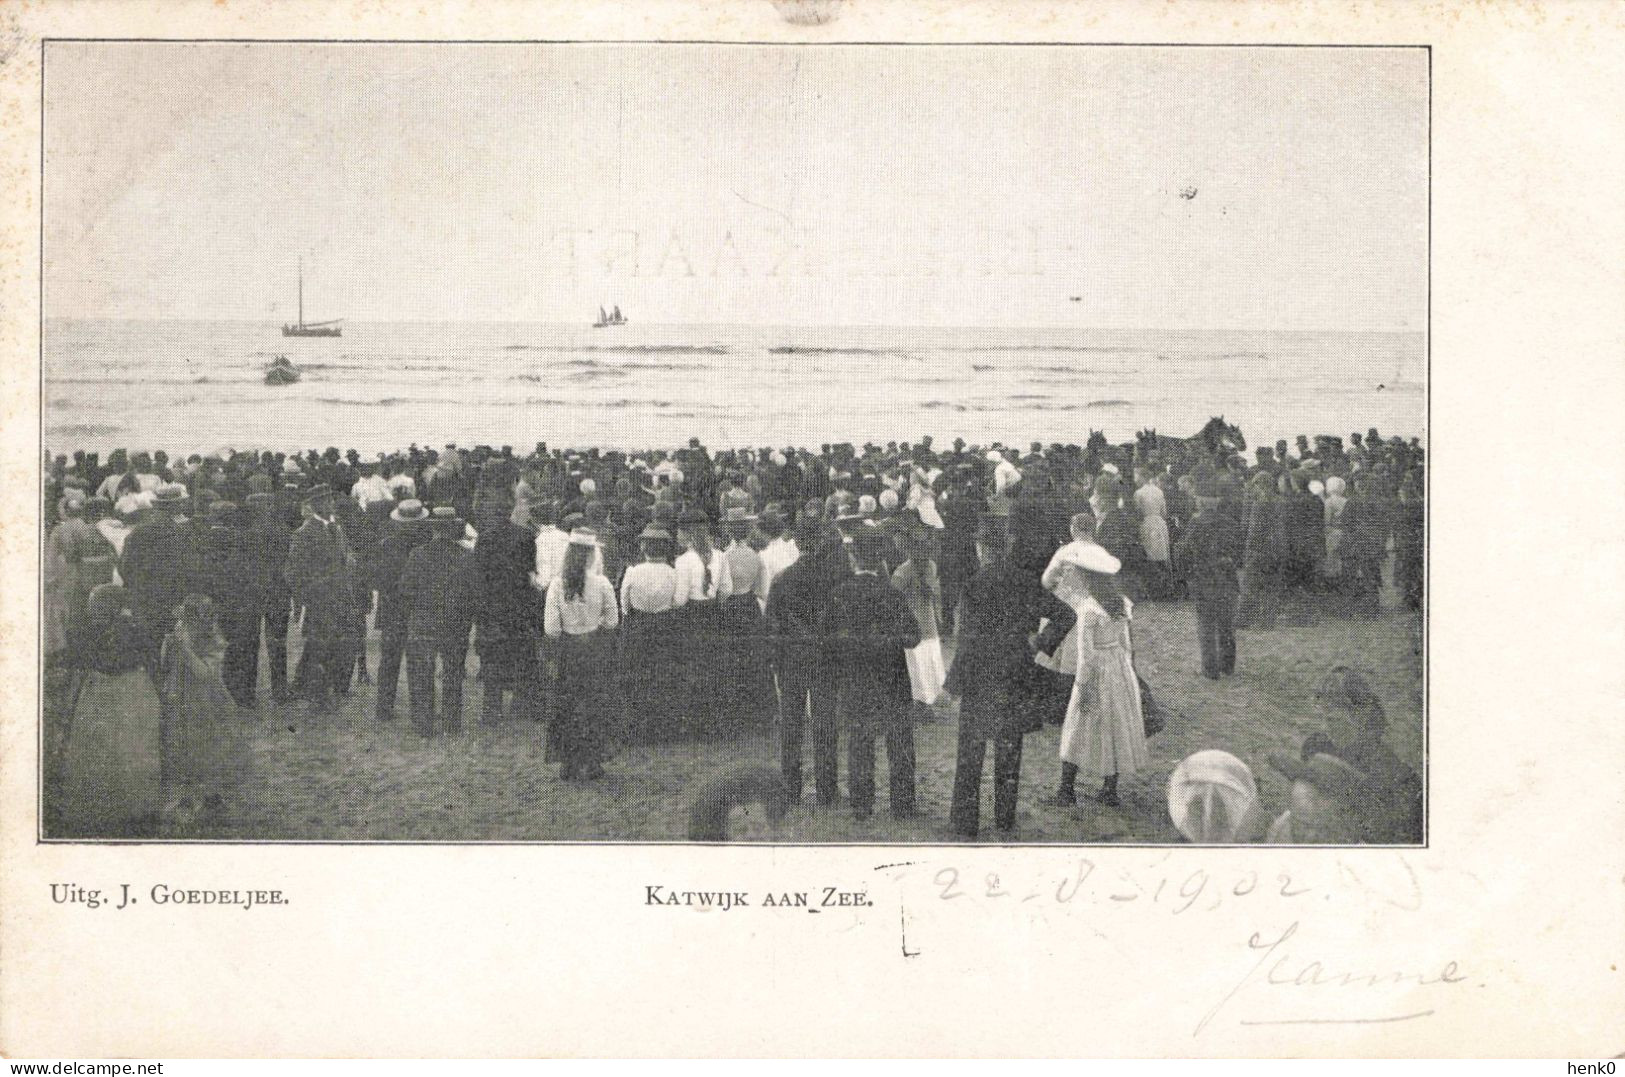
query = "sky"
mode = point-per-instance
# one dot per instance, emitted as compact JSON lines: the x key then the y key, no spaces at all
{"x":1112,"y":187}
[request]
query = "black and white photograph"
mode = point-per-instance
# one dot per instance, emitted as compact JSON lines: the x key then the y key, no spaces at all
{"x":803,"y":444}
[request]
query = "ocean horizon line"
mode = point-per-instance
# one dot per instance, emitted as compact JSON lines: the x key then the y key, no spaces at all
{"x":876,"y":326}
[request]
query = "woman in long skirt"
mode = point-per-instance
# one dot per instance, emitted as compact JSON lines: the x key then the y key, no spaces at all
{"x":110,"y":763}
{"x":77,"y":558}
{"x":205,"y":751}
{"x":1104,"y":732}
{"x":747,"y":679}
{"x":580,"y":622}
{"x":651,"y":669}
{"x":703,"y":581}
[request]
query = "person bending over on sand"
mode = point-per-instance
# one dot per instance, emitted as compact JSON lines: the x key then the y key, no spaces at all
{"x":1355,"y":724}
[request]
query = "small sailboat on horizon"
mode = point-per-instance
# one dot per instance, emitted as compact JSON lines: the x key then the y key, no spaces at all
{"x":302,"y":328}
{"x":613,"y":317}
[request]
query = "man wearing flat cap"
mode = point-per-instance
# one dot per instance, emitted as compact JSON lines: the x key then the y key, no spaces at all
{"x":867,"y":630}
{"x":321,"y":570}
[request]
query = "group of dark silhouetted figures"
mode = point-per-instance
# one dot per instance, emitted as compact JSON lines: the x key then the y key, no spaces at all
{"x":638,"y":597}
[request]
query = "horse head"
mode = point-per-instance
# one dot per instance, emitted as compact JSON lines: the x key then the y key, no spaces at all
{"x":1097,"y":442}
{"x":1219,"y":434}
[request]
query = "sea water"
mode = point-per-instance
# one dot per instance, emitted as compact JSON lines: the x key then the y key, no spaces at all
{"x":199,"y":386}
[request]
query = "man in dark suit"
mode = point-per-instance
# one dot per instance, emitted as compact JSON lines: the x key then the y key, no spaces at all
{"x":228,"y":578}
{"x":1002,"y":691}
{"x":436,"y":589}
{"x":321,"y":570}
{"x":795,"y":606}
{"x":1209,"y":553}
{"x":406,"y":531}
{"x":508,"y":610}
{"x":267,"y":547}
{"x":159,"y":568}
{"x":866,"y":632}
{"x":267,"y":551}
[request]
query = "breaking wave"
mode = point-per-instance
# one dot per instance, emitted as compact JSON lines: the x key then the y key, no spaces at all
{"x":623,"y":349}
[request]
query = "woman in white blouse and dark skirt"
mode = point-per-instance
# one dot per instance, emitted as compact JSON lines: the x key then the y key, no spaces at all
{"x":580,"y":621}
{"x":703,"y":581}
{"x":747,"y":680}
{"x":651,"y":662}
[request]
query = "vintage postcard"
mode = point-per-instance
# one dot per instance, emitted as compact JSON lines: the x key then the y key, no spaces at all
{"x":934,"y":492}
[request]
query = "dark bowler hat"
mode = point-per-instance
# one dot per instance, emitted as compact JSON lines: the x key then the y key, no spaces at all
{"x":410,"y":511}
{"x":320,"y":490}
{"x":691,"y":517}
{"x":260,"y":502}
{"x":221,"y":512}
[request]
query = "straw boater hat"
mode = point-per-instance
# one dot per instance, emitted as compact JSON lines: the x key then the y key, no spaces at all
{"x":583,"y":536}
{"x":169,"y":493}
{"x":738,"y":514}
{"x":410,"y":511}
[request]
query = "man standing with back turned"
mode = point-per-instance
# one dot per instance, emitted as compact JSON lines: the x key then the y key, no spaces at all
{"x":867,"y":630}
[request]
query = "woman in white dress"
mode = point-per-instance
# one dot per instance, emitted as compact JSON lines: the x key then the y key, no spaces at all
{"x":1104,"y":732}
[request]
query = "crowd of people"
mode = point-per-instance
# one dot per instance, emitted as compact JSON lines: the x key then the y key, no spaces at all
{"x":831,"y":595}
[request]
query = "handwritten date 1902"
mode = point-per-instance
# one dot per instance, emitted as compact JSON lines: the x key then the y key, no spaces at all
{"x":1179,"y":893}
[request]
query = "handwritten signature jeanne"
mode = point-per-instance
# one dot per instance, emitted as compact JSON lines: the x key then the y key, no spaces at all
{"x":1281,"y":968}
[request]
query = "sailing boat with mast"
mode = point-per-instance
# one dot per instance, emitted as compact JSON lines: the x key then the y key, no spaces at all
{"x":302,"y":328}
{"x":614,"y":317}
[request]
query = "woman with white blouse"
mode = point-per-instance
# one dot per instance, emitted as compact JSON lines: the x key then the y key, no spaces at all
{"x":580,"y":620}
{"x":703,"y":581}
{"x":651,"y":661}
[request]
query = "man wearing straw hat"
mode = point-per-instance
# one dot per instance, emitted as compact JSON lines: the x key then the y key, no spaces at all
{"x":406,"y":531}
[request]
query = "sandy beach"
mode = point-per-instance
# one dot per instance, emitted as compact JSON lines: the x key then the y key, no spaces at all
{"x":343,"y":776}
